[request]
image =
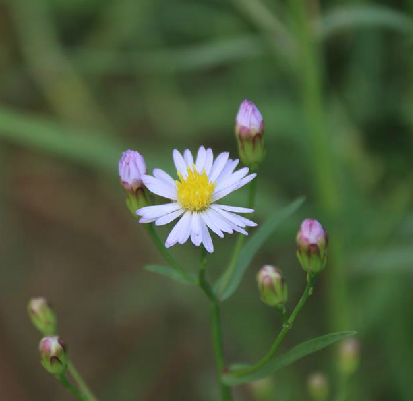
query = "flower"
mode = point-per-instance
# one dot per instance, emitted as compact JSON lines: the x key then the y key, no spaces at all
{"x":200,"y":185}
{"x":272,"y":286}
{"x":249,"y":130}
{"x":53,"y":355}
{"x":131,"y":169}
{"x":317,"y":385}
{"x":42,"y":316}
{"x":249,"y":121}
{"x":312,"y":241}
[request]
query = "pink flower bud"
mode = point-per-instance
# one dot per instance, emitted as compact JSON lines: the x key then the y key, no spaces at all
{"x":312,"y":242}
{"x":272,"y":286}
{"x":42,"y":316}
{"x":249,"y":130}
{"x":53,"y":355}
{"x":131,"y":169}
{"x":249,"y":121}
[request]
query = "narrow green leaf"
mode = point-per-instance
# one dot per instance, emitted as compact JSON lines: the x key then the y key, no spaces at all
{"x":253,"y":245}
{"x":236,"y":377}
{"x":350,"y":17}
{"x":169,"y":272}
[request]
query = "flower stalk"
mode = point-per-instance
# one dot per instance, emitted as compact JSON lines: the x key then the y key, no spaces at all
{"x":285,"y":329}
{"x":215,"y":328}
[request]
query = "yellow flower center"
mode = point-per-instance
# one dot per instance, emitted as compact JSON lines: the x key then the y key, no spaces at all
{"x":194,"y":192}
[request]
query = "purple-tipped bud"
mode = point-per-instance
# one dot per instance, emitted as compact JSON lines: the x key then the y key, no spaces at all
{"x":312,"y":241}
{"x":53,"y":355}
{"x":272,"y":287}
{"x":131,"y":169}
{"x":318,"y":386}
{"x":42,"y":316}
{"x":348,"y":356}
{"x":249,"y":130}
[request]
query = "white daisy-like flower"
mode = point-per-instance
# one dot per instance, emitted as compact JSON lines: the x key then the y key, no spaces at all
{"x":200,"y":185}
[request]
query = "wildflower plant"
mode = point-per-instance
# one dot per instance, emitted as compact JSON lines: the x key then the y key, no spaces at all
{"x":192,"y":202}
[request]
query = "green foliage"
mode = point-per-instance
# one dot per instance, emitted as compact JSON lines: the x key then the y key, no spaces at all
{"x":168,"y":272}
{"x":227,"y":286}
{"x":236,"y":376}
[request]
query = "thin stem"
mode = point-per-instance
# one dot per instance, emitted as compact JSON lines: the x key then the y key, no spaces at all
{"x":240,"y":241}
{"x":286,"y":328}
{"x":216,"y":328}
{"x":66,"y":383}
{"x":84,"y":389}
{"x":165,"y":253}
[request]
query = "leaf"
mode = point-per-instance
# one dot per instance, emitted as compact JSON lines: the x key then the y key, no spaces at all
{"x":252,"y":246}
{"x":343,"y":18}
{"x":235,"y":377}
{"x":169,"y":272}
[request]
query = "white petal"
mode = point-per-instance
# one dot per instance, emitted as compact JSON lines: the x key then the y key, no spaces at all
{"x":165,"y":177}
{"x":242,"y":221}
{"x":174,"y":234}
{"x":220,"y":221}
{"x":235,"y":209}
{"x":180,"y":163}
{"x":211,"y":224}
{"x":186,"y":228}
{"x":232,"y":179}
{"x":169,"y":217}
{"x":218,"y":166}
{"x":208,"y":161}
{"x":196,"y":233}
{"x":189,"y":160}
{"x":206,"y":237}
{"x":200,"y":160}
{"x":154,"y":212}
{"x":232,"y":188}
{"x":159,"y":187}
{"x":228,"y":169}
{"x":233,"y":218}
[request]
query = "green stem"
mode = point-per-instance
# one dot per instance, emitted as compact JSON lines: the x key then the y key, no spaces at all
{"x":165,"y":253}
{"x":240,"y":241}
{"x":286,"y":328}
{"x":87,"y":395}
{"x":216,"y":329}
{"x":66,"y":383}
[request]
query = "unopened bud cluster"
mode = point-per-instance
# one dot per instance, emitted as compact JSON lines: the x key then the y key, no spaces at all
{"x":272,"y":286}
{"x":53,"y":355}
{"x":131,"y":169}
{"x":249,"y":130}
{"x":312,"y":241}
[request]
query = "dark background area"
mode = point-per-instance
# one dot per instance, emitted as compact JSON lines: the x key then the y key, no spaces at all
{"x":81,"y":81}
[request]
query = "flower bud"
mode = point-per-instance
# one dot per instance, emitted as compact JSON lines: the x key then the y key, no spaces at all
{"x":42,"y":316}
{"x":53,"y":355}
{"x":249,"y":130}
{"x":348,"y":356}
{"x":312,"y":242}
{"x":272,"y":286}
{"x":131,"y":169}
{"x":318,"y":386}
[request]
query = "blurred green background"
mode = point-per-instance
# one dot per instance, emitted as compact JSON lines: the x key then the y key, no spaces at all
{"x":80,"y":81}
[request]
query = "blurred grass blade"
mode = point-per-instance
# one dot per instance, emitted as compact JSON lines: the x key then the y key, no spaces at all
{"x":170,"y":273}
{"x":253,"y":245}
{"x":389,"y":260}
{"x":298,"y":352}
{"x":351,"y":17}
